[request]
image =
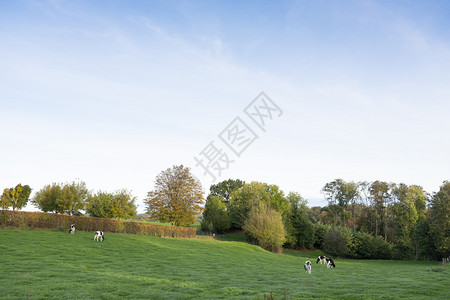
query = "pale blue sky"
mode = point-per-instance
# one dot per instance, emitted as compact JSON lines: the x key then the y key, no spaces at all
{"x":114,"y":92}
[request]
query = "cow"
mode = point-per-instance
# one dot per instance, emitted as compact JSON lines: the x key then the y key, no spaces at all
{"x":330,"y":263}
{"x":308,"y":267}
{"x":322,"y":259}
{"x":72,"y":229}
{"x":99,"y":236}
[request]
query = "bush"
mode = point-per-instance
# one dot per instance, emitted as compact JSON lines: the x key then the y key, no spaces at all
{"x":267,"y":228}
{"x":20,"y":219}
{"x":347,"y":235}
{"x":363,"y":246}
{"x":334,"y":244}
{"x":381,"y":249}
{"x":403,"y":250}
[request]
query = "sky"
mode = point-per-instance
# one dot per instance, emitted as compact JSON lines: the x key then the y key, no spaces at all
{"x":114,"y":92}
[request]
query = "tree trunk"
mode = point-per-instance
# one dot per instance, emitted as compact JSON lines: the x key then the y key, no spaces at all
{"x":376,"y":224}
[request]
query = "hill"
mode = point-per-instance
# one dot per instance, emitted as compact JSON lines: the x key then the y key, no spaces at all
{"x":50,"y":264}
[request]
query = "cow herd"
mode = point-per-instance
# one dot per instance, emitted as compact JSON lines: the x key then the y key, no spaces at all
{"x":99,"y":236}
{"x":322,"y":259}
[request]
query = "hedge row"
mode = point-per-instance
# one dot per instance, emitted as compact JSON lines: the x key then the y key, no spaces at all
{"x":20,"y":219}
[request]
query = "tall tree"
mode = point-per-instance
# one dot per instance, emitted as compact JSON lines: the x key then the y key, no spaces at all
{"x":408,"y":207}
{"x":440,"y":219}
{"x":298,"y":223}
{"x":225,"y":188}
{"x":333,"y":194}
{"x":351,"y":194}
{"x":177,"y":197}
{"x":16,"y":197}
{"x":340,"y":194}
{"x":215,"y":216}
{"x":380,"y":192}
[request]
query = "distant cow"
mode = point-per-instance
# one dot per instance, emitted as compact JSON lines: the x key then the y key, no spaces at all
{"x":330,"y":263}
{"x":99,"y":236}
{"x":72,"y":229}
{"x":322,"y":259}
{"x":308,"y":267}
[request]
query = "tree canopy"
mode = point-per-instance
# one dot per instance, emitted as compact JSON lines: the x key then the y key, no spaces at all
{"x":59,"y":198}
{"x":120,"y":204}
{"x":177,"y":197}
{"x":16,"y":197}
{"x":226,"y":188}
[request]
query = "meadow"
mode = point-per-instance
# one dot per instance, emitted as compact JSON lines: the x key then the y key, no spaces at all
{"x":56,"y":265}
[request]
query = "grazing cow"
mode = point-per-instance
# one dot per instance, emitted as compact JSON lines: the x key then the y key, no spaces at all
{"x":308,"y":267}
{"x":322,"y":259}
{"x":330,"y":263}
{"x":99,"y":236}
{"x":72,"y":229}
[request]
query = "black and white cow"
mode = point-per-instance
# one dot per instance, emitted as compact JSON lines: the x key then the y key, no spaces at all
{"x":99,"y":236}
{"x":322,"y":259}
{"x":330,"y":263}
{"x":72,"y":229}
{"x":308,"y":267}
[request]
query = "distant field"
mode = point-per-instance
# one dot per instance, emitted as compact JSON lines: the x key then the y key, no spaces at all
{"x":45,"y":265}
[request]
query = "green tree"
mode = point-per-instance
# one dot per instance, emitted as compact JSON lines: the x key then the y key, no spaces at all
{"x":340,"y":194}
{"x":265,"y":225}
{"x":16,"y":197}
{"x":350,"y":191}
{"x":73,"y":197}
{"x":425,"y":240}
{"x":333,"y":193}
{"x":120,"y":204}
{"x":439,"y":220}
{"x":253,"y":194}
{"x":408,"y":207}
{"x":5,"y":199}
{"x":334,"y":244}
{"x":380,"y":193}
{"x":177,"y":197}
{"x":59,"y":198}
{"x":46,"y":198}
{"x":215,"y":216}
{"x":225,"y":189}
{"x":298,"y":224}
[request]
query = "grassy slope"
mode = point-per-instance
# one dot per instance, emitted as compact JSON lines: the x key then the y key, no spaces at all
{"x":40,"y":264}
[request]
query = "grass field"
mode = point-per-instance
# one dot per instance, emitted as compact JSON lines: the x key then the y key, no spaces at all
{"x":46,"y":264}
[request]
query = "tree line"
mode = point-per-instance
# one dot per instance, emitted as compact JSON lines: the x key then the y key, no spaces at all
{"x":71,"y":198}
{"x":362,"y":219}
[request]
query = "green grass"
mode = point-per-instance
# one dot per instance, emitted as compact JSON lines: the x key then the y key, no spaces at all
{"x":56,"y":265}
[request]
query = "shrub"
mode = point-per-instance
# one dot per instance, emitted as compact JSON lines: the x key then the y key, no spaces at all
{"x":403,"y":250}
{"x":267,"y":228}
{"x":381,"y":249}
{"x":334,"y":244}
{"x":363,"y":246}
{"x":347,"y":235}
